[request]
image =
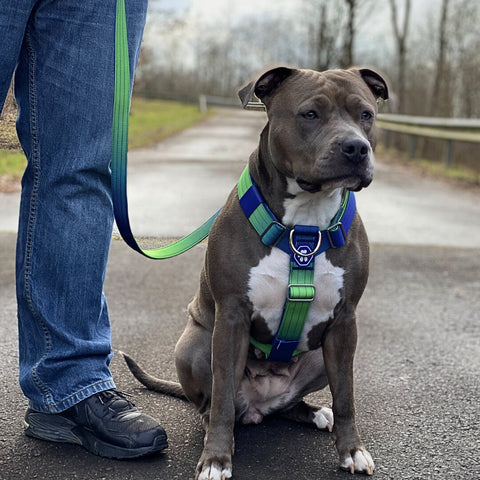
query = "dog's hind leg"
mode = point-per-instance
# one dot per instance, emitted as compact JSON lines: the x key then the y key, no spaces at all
{"x":302,"y":412}
{"x":192,"y":361}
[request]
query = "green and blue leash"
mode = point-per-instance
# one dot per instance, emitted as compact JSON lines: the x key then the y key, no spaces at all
{"x":121,"y":110}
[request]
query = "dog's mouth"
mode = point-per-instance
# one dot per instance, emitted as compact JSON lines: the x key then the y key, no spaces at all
{"x":308,"y":186}
{"x":350,"y":182}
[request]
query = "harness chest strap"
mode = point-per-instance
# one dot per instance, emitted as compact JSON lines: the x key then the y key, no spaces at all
{"x":300,"y":294}
{"x":302,"y":243}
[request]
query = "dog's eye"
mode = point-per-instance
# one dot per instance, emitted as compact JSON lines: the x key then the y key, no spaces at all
{"x":366,"y":115}
{"x":310,"y":115}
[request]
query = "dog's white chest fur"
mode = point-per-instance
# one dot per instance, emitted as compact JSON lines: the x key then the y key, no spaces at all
{"x":267,"y":290}
{"x":268,"y":283}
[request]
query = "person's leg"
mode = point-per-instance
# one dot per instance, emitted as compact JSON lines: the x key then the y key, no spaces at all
{"x":64,"y":89}
{"x":13,"y":21}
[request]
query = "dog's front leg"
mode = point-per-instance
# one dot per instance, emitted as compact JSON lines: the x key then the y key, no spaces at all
{"x":339,"y":350}
{"x":229,"y":354}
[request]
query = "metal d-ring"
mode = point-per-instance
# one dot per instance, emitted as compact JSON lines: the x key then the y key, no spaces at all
{"x":315,"y":250}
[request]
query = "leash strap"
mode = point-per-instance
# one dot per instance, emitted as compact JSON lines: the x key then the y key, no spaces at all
{"x":121,"y":110}
{"x":302,"y":243}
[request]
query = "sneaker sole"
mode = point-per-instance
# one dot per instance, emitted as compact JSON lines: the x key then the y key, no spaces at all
{"x":61,"y":430}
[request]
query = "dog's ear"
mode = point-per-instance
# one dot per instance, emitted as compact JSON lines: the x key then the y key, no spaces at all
{"x":265,"y":85}
{"x":375,"y":83}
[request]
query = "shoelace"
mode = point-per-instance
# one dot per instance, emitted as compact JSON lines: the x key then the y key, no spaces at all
{"x":116,"y":400}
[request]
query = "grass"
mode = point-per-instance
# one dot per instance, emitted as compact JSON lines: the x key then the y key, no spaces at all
{"x":150,"y":122}
{"x":453,"y":173}
{"x":429,"y":167}
{"x":154,"y":120}
{"x":12,"y":162}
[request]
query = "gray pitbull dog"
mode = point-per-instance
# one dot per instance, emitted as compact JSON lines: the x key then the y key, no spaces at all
{"x":316,"y":146}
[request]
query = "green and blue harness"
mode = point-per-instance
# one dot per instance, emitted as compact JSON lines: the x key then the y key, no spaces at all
{"x":302,"y":243}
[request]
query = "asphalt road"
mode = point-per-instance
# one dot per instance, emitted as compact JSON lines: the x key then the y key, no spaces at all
{"x":418,"y":359}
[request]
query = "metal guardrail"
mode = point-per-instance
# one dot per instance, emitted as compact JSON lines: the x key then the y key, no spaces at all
{"x":448,"y":129}
{"x":462,"y":129}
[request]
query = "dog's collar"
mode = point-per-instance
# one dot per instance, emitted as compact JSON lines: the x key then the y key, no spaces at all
{"x":274,"y":234}
{"x":302,"y":243}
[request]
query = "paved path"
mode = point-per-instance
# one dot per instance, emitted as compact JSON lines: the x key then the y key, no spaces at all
{"x":418,"y":360}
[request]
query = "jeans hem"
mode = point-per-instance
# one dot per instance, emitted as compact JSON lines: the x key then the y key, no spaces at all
{"x":72,"y":400}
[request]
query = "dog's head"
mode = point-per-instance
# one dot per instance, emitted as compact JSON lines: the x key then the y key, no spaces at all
{"x":321,"y":124}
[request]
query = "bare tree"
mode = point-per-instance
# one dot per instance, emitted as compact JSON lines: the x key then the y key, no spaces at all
{"x":349,"y":35}
{"x":322,"y":20}
{"x":463,"y":59}
{"x":355,"y":12}
{"x":435,"y":100}
{"x":401,"y":46}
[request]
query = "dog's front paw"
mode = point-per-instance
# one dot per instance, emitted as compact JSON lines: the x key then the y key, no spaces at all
{"x":214,"y":472}
{"x":358,"y":460}
{"x":323,"y":419}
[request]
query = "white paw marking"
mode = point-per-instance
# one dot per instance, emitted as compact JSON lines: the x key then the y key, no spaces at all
{"x":361,"y":462}
{"x":215,"y":472}
{"x":323,"y":419}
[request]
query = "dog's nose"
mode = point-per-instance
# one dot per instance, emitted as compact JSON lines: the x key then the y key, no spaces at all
{"x":355,"y":151}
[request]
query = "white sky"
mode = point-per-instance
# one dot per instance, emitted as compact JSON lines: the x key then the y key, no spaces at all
{"x":215,"y":8}
{"x":223,"y":7}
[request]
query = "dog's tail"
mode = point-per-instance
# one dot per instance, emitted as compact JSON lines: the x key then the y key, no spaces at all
{"x":173,"y":389}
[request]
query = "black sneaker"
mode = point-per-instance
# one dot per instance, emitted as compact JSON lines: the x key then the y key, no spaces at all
{"x":106,"y":424}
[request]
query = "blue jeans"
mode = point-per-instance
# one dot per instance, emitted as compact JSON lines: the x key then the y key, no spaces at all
{"x":63,"y":52}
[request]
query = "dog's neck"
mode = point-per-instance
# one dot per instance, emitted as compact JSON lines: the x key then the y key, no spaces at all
{"x":289,"y":203}
{"x":305,"y":208}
